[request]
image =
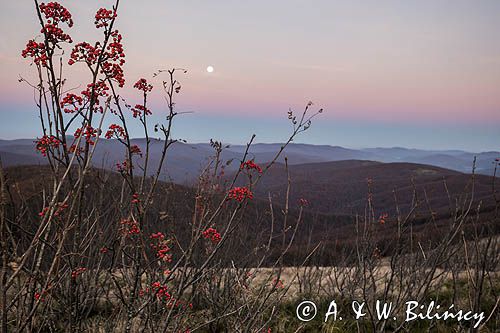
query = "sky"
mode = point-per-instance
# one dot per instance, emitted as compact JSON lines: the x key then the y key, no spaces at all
{"x":420,"y":74}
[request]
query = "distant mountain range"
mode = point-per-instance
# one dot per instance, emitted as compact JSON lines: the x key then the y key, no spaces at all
{"x":186,"y":160}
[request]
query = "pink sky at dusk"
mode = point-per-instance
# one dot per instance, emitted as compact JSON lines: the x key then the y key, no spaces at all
{"x":415,"y":62}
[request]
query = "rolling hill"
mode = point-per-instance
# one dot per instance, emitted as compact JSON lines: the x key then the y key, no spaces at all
{"x":343,"y":187}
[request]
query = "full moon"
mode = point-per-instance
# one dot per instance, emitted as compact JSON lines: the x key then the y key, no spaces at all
{"x":210,"y":69}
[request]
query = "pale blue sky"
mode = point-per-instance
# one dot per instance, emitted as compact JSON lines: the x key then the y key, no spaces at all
{"x":420,"y":74}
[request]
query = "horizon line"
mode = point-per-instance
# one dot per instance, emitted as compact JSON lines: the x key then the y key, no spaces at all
{"x":300,"y":143}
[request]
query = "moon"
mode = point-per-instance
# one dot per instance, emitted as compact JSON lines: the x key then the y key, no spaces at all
{"x":210,"y":69}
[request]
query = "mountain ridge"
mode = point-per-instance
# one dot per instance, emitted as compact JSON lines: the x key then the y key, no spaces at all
{"x":186,"y":160}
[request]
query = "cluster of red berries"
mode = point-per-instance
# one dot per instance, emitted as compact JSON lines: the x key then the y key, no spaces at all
{"x":114,"y":72}
{"x":158,"y":235}
{"x":94,"y":91}
{"x":36,"y":51}
{"x":212,"y":234}
{"x":54,"y":34}
{"x":85,"y":52}
{"x":77,"y":272}
{"x":135,"y":150}
{"x":161,"y":290}
{"x":240,"y":193}
{"x":117,"y":130}
{"x":40,"y":296}
{"x":250,"y":165}
{"x":103,"y":17}
{"x":160,"y":245}
{"x":115,"y":48}
{"x":139,"y":110}
{"x":88,"y":133}
{"x":71,"y":100}
{"x":47,"y":142}
{"x":43,"y":212}
{"x":55,"y":13}
{"x":143,"y":85}
{"x":114,"y":59}
{"x":162,"y":293}
{"x":130,"y":227}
